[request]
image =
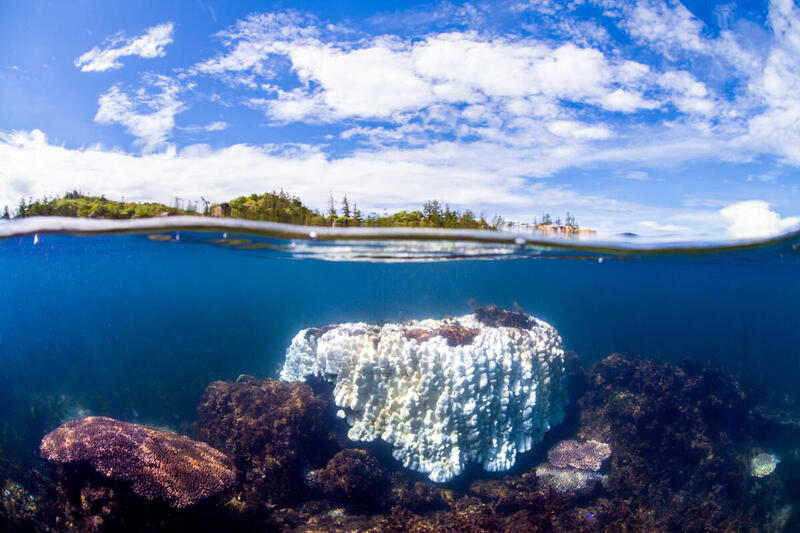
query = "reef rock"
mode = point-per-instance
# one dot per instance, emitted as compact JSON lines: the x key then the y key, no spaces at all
{"x":478,"y":388}
{"x":354,"y":477}
{"x":158,"y":464}
{"x":272,"y":430}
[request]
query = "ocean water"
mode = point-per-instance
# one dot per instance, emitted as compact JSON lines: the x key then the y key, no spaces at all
{"x":134,"y":326}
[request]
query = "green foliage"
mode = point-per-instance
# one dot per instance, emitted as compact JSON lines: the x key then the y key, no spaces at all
{"x":271,"y":207}
{"x":76,"y":204}
{"x":281,"y":207}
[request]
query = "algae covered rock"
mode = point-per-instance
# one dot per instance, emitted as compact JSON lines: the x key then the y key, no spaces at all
{"x":354,"y":477}
{"x":272,"y":430}
{"x":479,"y":388}
{"x":682,"y":438}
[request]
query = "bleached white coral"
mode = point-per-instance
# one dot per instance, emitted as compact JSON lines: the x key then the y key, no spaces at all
{"x":567,"y":479}
{"x":443,"y":393}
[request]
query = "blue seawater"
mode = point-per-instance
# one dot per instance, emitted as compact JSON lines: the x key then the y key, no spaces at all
{"x":135,"y":327}
{"x":128,"y":324}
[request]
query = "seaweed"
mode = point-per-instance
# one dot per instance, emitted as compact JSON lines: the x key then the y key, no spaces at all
{"x":494,"y":316}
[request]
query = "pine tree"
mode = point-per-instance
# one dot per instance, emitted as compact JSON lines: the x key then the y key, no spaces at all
{"x":331,"y":206}
{"x":6,"y":214}
{"x":345,"y":207}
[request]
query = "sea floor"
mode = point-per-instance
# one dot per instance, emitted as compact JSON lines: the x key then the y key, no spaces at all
{"x":683,"y":440}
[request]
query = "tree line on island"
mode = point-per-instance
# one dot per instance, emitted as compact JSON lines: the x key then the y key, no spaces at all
{"x":272,"y":207}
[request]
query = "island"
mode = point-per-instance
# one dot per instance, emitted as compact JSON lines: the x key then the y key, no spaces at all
{"x":285,"y":208}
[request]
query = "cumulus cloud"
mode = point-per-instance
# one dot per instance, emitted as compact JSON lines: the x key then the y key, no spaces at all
{"x":148,"y":45}
{"x":147,"y":113}
{"x":388,"y":77}
{"x":686,"y":93}
{"x":754,"y":219}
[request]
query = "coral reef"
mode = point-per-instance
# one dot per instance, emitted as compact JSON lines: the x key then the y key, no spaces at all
{"x":272,"y":430}
{"x":443,"y":393}
{"x":581,"y":455}
{"x":683,"y":437}
{"x":158,"y":464}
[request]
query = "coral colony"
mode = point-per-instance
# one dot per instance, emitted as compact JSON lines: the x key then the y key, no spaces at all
{"x":479,"y":388}
{"x":159,"y":464}
{"x":582,"y":455}
{"x":573,"y":465}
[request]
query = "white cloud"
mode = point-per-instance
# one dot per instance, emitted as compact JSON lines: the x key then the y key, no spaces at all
{"x":754,"y":219}
{"x":667,"y":28}
{"x":148,"y":45}
{"x":766,"y":177}
{"x":636,"y":175}
{"x":668,"y":228}
{"x":626,"y":101}
{"x":251,"y":41}
{"x":686,"y":93}
{"x":216,"y":126}
{"x":578,"y":130}
{"x":777,"y":128}
{"x":388,"y":77}
{"x":147,"y":116}
{"x":219,"y":125}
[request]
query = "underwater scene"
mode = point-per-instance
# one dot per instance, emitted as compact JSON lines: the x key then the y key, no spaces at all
{"x":237,"y":379}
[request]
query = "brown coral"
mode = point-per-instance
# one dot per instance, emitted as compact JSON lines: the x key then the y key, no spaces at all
{"x":158,"y":464}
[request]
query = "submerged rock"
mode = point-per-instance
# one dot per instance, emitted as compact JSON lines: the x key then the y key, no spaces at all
{"x":443,"y":393}
{"x":354,"y":477}
{"x":158,"y":464}
{"x":682,"y":437}
{"x":272,"y":430}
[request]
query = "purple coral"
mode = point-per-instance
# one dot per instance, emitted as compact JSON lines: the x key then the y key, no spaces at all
{"x":582,"y":455}
{"x":158,"y":464}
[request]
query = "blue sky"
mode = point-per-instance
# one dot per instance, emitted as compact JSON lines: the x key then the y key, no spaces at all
{"x":662,"y":118}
